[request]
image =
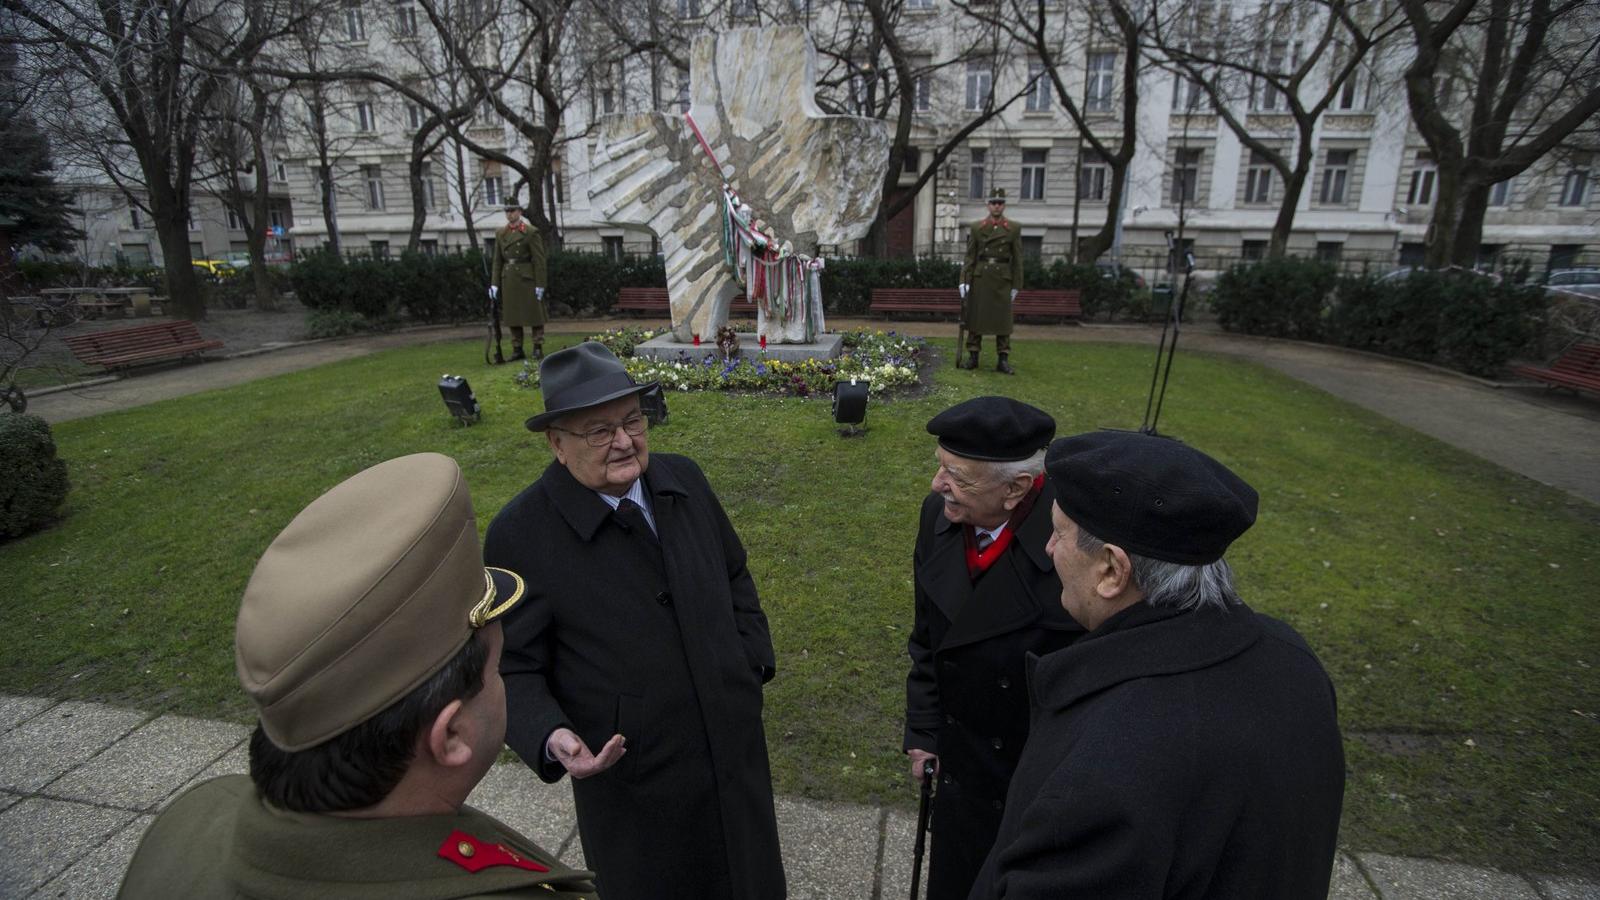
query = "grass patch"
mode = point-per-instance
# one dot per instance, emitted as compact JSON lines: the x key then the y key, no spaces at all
{"x":1445,"y":595}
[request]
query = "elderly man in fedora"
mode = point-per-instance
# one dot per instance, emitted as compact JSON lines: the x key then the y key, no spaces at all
{"x":986,"y":595}
{"x":636,"y":663}
{"x":1186,"y":747}
{"x":369,"y":639}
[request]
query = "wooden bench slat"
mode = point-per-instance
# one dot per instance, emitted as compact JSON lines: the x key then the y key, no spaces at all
{"x":656,"y":300}
{"x":1578,"y":368}
{"x":1034,"y":304}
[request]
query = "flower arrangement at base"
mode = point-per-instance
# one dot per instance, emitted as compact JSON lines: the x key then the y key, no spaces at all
{"x":886,"y":362}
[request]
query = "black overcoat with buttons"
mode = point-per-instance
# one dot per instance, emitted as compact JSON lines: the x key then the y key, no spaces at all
{"x":662,"y":642}
{"x":966,"y":696}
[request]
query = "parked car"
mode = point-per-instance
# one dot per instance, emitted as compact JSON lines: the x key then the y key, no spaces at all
{"x":1582,"y":281}
{"x":1111,"y":271}
{"x":212,"y":268}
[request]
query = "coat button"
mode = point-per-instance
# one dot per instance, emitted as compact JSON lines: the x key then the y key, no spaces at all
{"x":998,"y":805}
{"x":997,"y":743}
{"x":1004,"y":682}
{"x":664,"y":598}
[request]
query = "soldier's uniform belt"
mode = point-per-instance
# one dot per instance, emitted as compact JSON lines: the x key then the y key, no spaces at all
{"x":997,"y":259}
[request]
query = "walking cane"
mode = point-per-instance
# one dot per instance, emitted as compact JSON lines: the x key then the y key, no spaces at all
{"x":922,"y":828}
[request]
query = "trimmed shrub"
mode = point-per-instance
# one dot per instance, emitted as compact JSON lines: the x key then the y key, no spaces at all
{"x":1276,"y":297}
{"x":33,"y":480}
{"x":847,"y":283}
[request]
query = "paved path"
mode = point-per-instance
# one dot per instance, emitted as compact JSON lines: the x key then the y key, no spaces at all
{"x":80,"y":782}
{"x":1547,"y":436}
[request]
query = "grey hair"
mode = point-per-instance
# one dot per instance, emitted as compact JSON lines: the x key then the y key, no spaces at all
{"x":1174,"y":584}
{"x":1005,"y":471}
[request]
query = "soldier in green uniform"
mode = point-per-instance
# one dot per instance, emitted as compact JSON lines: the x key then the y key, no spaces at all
{"x":369,"y":641}
{"x":519,"y":278}
{"x":990,"y":279}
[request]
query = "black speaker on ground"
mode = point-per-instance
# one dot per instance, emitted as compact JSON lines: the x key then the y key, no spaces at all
{"x":850,"y":406}
{"x":459,"y":400}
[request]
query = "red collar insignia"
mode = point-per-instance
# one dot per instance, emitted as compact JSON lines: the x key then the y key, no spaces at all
{"x":474,"y":855}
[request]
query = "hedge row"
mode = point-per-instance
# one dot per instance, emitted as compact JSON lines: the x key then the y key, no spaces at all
{"x":1463,"y":320}
{"x":453,"y":287}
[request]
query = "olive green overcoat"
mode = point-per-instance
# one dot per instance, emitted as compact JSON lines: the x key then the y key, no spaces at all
{"x":221,"y":840}
{"x":520,"y":265}
{"x":993,"y":268}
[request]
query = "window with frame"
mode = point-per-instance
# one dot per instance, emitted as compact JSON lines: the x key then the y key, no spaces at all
{"x":1251,"y":251}
{"x":980,"y":84}
{"x":405,"y":20}
{"x":430,"y":246}
{"x":611,"y":246}
{"x":275,"y":218}
{"x":1039,"y":93}
{"x":1264,"y":93}
{"x":493,"y":190}
{"x":426,"y":174}
{"x":1575,"y":185}
{"x":1258,"y":179}
{"x":235,"y":223}
{"x":133,"y":218}
{"x":1100,"y":82}
{"x":1330,"y":251}
{"x":1189,"y":95}
{"x":280,"y":171}
{"x":355,"y":26}
{"x":608,"y":100}
{"x":366,"y":119}
{"x":975,"y":173}
{"x":194,"y":220}
{"x":922,"y":93}
{"x":1092,"y":176}
{"x":743,"y":9}
{"x":1336,"y":176}
{"x":919,"y":4}
{"x":380,"y":249}
{"x":413,"y":116}
{"x":373,"y":175}
{"x":1423,"y":175}
{"x":689,"y":9}
{"x":1033,"y":171}
{"x":911,"y":163}
{"x":1351,"y":96}
{"x":1501,"y":193}
{"x":1186,"y":175}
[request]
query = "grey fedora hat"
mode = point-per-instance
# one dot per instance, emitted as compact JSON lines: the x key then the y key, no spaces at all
{"x":580,"y":377}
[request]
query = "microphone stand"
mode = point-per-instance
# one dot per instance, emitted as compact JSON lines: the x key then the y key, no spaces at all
{"x":1163,"y":373}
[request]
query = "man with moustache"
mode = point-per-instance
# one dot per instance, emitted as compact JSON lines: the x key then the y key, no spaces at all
{"x":1186,"y":747}
{"x":986,"y":596}
{"x":637,"y":661}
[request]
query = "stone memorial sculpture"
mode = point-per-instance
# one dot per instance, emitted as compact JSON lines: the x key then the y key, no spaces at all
{"x":742,"y":188}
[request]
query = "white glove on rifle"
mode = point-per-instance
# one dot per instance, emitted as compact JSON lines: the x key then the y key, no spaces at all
{"x":494,"y":292}
{"x":963,"y":292}
{"x":1013,"y":296}
{"x":538,"y":293}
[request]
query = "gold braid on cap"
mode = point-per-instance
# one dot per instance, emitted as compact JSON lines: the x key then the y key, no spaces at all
{"x":487,"y":610}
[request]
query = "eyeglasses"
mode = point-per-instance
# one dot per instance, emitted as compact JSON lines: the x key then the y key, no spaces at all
{"x":601,"y":435}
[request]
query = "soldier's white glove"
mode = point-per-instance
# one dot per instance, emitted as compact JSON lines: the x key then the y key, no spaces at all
{"x":538,"y":293}
{"x":1013,"y":296}
{"x":494,"y":292}
{"x":963,"y":292}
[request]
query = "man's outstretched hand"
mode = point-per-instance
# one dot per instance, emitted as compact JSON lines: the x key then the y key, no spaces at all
{"x":567,"y":748}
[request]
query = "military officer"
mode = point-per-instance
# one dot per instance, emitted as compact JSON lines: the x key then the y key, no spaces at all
{"x":519,"y":278}
{"x":986,"y":596}
{"x":369,"y":641}
{"x":990,"y":279}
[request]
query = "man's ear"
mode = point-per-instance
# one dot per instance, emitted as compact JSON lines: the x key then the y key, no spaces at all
{"x":555,"y":446}
{"x":1016,"y":489}
{"x":447,"y":740}
{"x":1113,"y":572}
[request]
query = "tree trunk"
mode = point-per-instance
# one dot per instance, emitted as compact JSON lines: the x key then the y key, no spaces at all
{"x":1293,"y":186}
{"x":1446,"y":215}
{"x":419,"y":210}
{"x":183,"y":287}
{"x":1098,"y":243}
{"x":1469,"y":226}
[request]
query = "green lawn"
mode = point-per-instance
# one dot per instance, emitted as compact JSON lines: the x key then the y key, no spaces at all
{"x":1451,"y":601}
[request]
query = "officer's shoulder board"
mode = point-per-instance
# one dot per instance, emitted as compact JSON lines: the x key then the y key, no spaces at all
{"x":475,"y":855}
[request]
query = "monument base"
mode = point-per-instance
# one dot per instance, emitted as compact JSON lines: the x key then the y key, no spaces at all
{"x":665,"y":347}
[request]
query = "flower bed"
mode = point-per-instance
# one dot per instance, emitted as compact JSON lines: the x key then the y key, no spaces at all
{"x":886,"y":361}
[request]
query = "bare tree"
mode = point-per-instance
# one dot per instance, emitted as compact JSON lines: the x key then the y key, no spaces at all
{"x":237,"y":142}
{"x":1264,"y":81}
{"x":153,"y":68}
{"x":1528,"y":73}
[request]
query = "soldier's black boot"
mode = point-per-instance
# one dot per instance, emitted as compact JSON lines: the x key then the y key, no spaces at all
{"x":538,"y":351}
{"x":516,"y":353}
{"x":1003,"y":366}
{"x":499,"y":358}
{"x":972,"y":359}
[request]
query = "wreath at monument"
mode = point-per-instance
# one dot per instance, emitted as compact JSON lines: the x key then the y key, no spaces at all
{"x":783,"y":284}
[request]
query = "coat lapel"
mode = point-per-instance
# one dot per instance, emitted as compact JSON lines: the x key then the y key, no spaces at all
{"x":1002,"y":600}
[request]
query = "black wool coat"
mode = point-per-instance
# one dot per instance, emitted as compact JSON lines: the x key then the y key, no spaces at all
{"x":1175,"y":754}
{"x":966,"y":696}
{"x":663,"y":643}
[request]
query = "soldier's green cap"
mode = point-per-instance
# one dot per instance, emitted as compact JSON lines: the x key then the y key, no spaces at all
{"x":512,"y":204}
{"x":367,"y":593}
{"x":998,"y":195}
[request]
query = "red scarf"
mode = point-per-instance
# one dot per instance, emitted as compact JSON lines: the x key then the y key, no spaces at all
{"x":519,"y":226}
{"x":979,"y":561}
{"x":992,"y":222}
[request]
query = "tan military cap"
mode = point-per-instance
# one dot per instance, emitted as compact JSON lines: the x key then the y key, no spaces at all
{"x":369,"y":591}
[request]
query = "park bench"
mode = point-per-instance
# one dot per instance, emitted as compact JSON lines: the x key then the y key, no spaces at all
{"x":122,"y":347}
{"x":1061,"y":306}
{"x":654,"y":302}
{"x":1578,"y":368}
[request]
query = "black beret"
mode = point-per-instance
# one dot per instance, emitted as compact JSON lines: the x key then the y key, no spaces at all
{"x":1151,"y":496}
{"x":993,"y":428}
